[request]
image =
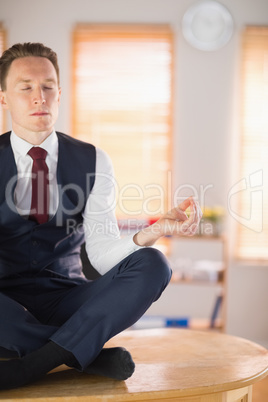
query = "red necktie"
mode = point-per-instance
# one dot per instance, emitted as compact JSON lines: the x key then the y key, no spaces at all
{"x":40,"y":193}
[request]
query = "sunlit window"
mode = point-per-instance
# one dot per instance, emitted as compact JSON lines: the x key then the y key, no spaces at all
{"x":122,"y":100}
{"x":253,"y":220}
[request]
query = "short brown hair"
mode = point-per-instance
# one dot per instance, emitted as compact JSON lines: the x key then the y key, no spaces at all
{"x":20,"y":50}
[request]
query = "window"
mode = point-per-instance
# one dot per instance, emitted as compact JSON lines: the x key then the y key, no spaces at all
{"x":253,"y":227}
{"x":122,"y":101}
{"x":2,"y":47}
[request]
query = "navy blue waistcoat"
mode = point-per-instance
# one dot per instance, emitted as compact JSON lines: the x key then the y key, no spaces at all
{"x":30,"y":249}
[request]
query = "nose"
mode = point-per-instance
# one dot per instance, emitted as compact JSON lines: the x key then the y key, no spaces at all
{"x":38,"y":97}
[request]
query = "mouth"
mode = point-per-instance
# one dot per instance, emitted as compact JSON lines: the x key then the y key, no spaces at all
{"x":38,"y":114}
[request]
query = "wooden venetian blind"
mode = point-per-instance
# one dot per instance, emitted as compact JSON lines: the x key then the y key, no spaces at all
{"x":122,"y":101}
{"x":2,"y":48}
{"x":253,"y":226}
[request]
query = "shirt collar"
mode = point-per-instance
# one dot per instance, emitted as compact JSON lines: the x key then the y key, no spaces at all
{"x":22,"y":147}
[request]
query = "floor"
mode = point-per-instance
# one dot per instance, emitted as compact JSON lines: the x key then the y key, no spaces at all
{"x":260,"y":391}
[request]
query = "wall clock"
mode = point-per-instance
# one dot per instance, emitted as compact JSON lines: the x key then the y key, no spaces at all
{"x":207,"y":25}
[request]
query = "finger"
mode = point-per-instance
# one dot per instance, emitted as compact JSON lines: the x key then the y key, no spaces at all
{"x":197,"y":215}
{"x":200,"y":214}
{"x":189,"y":230}
{"x":193,"y":214}
{"x":181,"y":215}
{"x":185,"y":204}
{"x":190,"y":227}
{"x":199,"y":210}
{"x":193,"y":229}
{"x":176,"y":214}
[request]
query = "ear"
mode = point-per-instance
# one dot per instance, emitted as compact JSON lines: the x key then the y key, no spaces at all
{"x":59,"y":95}
{"x":3,"y":101}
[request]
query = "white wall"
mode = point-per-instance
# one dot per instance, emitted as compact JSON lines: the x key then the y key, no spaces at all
{"x":205,"y":114}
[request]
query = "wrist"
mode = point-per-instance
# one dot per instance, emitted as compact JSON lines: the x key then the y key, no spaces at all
{"x":148,"y":236}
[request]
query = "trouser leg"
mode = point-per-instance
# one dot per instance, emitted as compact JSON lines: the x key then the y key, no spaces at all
{"x":21,"y":332}
{"x":111,"y":303}
{"x":84,"y":317}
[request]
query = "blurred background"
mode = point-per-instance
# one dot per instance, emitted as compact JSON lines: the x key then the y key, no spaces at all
{"x":179,"y":120}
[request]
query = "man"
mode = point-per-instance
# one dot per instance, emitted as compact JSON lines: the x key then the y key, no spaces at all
{"x":51,"y":186}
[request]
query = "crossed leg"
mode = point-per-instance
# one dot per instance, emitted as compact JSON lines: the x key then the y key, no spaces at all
{"x":83,"y":320}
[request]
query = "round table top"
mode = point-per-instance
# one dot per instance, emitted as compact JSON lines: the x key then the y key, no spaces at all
{"x":182,"y":362}
{"x":169,"y":363}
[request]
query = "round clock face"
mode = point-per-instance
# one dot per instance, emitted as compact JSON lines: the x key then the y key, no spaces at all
{"x":207,"y":25}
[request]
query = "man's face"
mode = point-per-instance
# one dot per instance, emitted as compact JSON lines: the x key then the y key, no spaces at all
{"x":32,"y":96}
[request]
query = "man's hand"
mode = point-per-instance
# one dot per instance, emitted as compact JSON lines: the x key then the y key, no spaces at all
{"x":174,"y":222}
{"x":178,"y":222}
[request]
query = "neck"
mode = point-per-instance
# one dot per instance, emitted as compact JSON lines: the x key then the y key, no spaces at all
{"x":35,"y":138}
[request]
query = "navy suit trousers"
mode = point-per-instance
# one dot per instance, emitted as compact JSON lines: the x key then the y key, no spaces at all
{"x":80,"y":318}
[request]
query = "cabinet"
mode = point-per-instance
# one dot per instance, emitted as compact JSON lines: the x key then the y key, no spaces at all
{"x":200,"y":265}
{"x":201,"y":261}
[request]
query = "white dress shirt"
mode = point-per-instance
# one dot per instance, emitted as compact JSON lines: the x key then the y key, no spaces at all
{"x":104,"y":246}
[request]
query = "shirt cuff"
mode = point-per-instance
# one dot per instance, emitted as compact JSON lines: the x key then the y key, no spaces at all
{"x":129,"y":243}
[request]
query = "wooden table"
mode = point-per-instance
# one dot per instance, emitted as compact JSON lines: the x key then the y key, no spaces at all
{"x":171,"y":365}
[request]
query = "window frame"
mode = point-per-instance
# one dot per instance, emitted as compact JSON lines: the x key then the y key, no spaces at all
{"x":112,"y":30}
{"x":247,"y":36}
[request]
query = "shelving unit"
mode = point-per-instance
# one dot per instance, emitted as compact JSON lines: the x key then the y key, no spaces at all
{"x":217,"y":320}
